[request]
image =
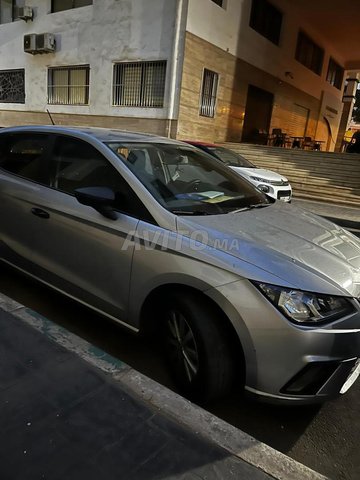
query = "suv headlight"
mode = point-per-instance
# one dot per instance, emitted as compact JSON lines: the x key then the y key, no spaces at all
{"x":304,"y":307}
{"x":259,"y":179}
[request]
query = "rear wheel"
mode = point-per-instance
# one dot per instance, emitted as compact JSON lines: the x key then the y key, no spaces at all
{"x":197,"y":347}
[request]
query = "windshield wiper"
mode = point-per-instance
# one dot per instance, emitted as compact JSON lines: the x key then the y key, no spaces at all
{"x":250,"y":207}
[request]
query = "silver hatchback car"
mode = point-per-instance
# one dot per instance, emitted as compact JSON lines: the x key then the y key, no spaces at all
{"x":240,"y":289}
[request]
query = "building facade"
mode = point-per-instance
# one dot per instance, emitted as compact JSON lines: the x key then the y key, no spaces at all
{"x":111,"y":65}
{"x":216,"y":70}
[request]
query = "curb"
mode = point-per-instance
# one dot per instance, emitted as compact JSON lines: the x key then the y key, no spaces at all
{"x":234,"y":441}
{"x":344,"y":218}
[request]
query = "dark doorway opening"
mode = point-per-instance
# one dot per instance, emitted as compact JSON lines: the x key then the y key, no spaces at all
{"x":258,"y":112}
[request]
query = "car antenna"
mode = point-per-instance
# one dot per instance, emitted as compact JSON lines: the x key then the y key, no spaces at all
{"x":52,"y":121}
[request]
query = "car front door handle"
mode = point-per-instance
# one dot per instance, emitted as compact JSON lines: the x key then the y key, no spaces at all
{"x":40,"y":213}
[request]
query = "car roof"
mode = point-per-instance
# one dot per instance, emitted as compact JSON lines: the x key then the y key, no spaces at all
{"x":101,"y":134}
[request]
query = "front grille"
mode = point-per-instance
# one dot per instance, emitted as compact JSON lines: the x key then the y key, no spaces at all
{"x":284,"y":193}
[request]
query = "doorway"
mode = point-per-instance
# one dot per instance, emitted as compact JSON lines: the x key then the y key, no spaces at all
{"x":258,"y":112}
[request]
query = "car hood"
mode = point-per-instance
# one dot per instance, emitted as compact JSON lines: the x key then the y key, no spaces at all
{"x":297,"y":247}
{"x":261,"y":173}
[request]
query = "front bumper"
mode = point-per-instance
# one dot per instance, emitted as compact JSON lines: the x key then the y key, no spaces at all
{"x":277,"y":192}
{"x":288,"y":363}
{"x":330,"y":379}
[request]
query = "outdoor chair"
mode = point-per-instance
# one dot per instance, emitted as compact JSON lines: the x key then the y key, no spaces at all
{"x":308,"y":143}
{"x":279,"y":137}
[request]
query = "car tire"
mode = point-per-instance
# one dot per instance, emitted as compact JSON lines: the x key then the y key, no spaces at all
{"x":196,"y":347}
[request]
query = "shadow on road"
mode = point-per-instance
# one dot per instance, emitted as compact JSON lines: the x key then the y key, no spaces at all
{"x":278,"y":426}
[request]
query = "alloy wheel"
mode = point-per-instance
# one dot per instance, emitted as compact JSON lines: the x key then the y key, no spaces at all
{"x":181,"y":346}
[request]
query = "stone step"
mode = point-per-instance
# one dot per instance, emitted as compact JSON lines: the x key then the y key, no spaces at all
{"x":343,"y":180}
{"x":346,"y":202}
{"x":290,"y":151}
{"x":327,"y":176}
{"x":305,"y":160}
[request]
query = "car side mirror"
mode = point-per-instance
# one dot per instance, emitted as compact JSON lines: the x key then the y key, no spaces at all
{"x":99,"y":198}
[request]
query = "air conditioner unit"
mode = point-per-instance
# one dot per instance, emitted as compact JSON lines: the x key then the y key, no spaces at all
{"x":45,"y":43}
{"x":25,"y":13}
{"x":30,"y":43}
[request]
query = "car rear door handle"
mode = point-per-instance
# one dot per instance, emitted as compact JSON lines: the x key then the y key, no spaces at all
{"x":40,"y":213}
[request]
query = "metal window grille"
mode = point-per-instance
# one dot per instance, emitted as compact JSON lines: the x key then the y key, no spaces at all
{"x":60,"y":5}
{"x":208,"y":93}
{"x":139,"y":84}
{"x":68,"y":85}
{"x":12,"y":86}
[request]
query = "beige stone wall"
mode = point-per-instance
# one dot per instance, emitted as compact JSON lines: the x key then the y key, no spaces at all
{"x":10,"y":118}
{"x":227,"y":123}
{"x":234,"y":77}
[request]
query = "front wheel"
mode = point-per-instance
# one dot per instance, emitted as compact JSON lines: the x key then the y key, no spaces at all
{"x":197,"y":347}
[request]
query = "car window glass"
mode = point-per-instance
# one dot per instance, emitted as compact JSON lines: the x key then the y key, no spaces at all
{"x":188,"y":172}
{"x":76,"y":164}
{"x":24,"y":155}
{"x":231,"y":158}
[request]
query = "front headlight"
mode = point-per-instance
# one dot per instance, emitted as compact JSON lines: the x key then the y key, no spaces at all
{"x":263,"y":188}
{"x":259,"y":179}
{"x":305,"y":307}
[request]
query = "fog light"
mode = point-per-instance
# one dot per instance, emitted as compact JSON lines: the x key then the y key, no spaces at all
{"x":311,"y":378}
{"x":264,"y":188}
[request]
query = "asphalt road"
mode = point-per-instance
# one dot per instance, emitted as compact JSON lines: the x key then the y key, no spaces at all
{"x":324,"y":438}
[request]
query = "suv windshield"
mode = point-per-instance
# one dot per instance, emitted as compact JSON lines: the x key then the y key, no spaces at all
{"x":187,"y":181}
{"x":230,"y":158}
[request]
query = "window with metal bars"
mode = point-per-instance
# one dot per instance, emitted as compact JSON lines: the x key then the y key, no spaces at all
{"x":68,"y":85}
{"x":335,"y":74}
{"x":12,"y":86}
{"x":60,"y":5}
{"x":208,"y":93}
{"x":139,"y":84}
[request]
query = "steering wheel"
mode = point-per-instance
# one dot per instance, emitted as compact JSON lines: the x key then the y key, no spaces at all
{"x":192,"y":186}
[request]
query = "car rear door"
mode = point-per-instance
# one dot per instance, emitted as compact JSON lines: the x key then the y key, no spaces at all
{"x":23,"y":182}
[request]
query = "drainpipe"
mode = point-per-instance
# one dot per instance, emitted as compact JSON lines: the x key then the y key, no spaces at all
{"x":177,"y":63}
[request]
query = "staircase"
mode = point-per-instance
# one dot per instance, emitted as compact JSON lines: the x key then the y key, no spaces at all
{"x":324,"y":176}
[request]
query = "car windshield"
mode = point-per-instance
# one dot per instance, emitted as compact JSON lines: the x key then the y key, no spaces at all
{"x":187,"y":181}
{"x":230,"y":158}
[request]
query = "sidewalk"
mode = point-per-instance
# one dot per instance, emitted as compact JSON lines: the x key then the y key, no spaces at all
{"x":70,"y":411}
{"x":347,"y":217}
